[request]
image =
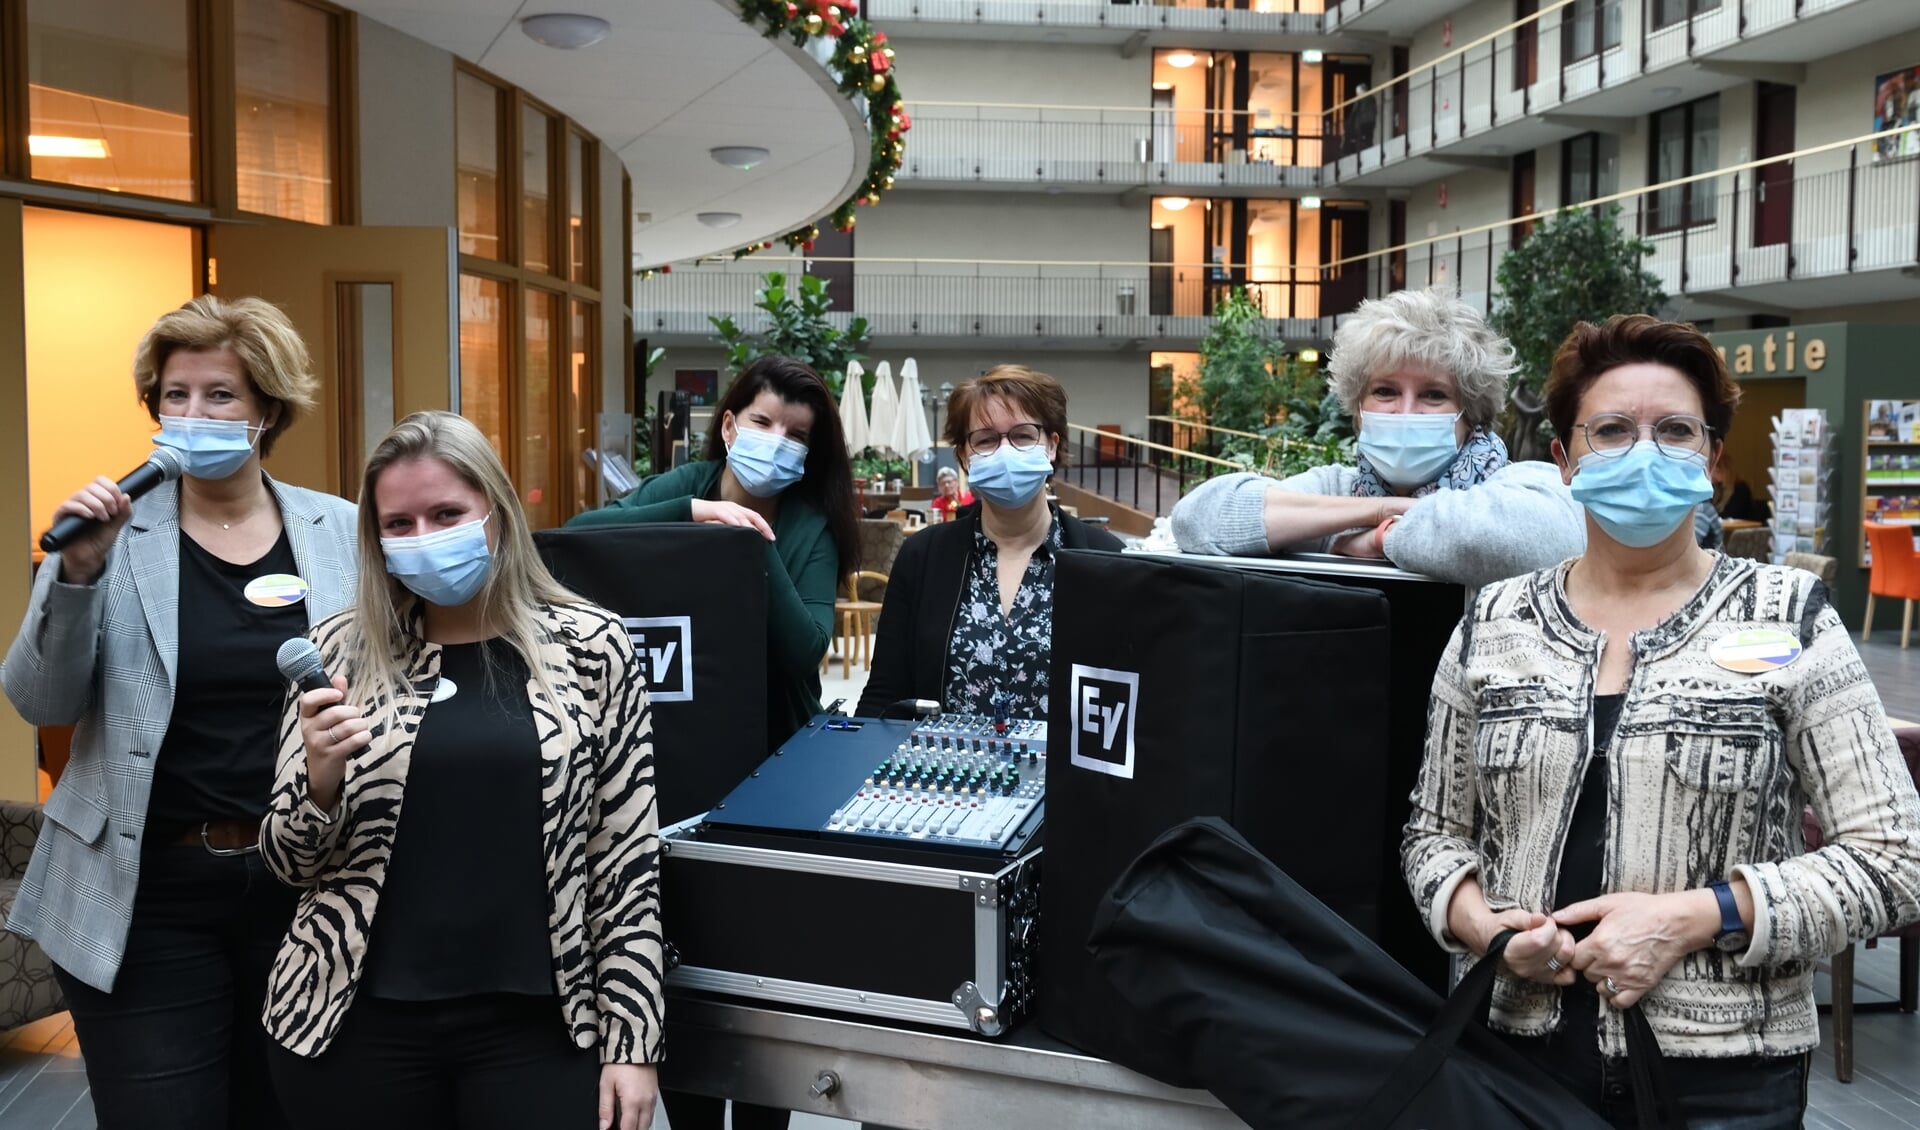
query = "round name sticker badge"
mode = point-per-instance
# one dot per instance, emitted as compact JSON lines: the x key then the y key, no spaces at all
{"x":444,"y":690}
{"x":276,"y":590}
{"x":1755,"y":651}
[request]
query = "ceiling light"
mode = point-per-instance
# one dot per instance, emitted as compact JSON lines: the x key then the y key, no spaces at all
{"x":1308,"y":203}
{"x":566,"y":30}
{"x":1666,"y":93}
{"x":1163,"y":86}
{"x":1173,"y":203}
{"x":1182,"y":59}
{"x":1309,"y":355}
{"x":52,"y":145}
{"x":1312,"y":55}
{"x":738,"y":156}
{"x":718,"y":219}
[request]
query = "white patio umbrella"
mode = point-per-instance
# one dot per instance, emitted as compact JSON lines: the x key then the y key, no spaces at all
{"x":853,"y":409}
{"x":886,"y":401}
{"x":910,"y":436}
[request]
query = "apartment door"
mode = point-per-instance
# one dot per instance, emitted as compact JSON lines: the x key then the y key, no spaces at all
{"x":377,"y":309}
{"x":1773,"y":194}
{"x":1402,"y":63}
{"x":1396,"y":237}
{"x":1160,"y":273}
{"x":1343,"y":235}
{"x":1163,"y":140}
{"x":1526,"y":45}
{"x":1523,"y":185}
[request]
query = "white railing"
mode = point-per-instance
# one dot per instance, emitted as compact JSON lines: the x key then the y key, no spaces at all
{"x":1020,"y":144}
{"x":1284,"y":17}
{"x":996,"y":299}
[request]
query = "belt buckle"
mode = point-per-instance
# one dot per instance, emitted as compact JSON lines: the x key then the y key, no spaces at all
{"x":223,"y":852}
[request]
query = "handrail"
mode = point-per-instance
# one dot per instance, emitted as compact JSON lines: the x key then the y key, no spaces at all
{"x":912,"y":103}
{"x":1628,"y":194}
{"x":856,"y":259}
{"x":1432,"y":64}
{"x":1096,"y":432}
{"x":1281,"y":441}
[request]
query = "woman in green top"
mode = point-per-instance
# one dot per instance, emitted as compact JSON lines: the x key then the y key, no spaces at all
{"x":776,"y":461}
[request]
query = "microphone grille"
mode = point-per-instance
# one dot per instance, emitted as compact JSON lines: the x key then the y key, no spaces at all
{"x":169,"y":462}
{"x":298,"y":658}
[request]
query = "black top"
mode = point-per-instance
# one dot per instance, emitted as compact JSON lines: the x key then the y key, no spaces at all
{"x":464,"y":907}
{"x":1583,"y":858}
{"x":216,"y":762}
{"x":923,"y":602}
{"x":997,"y":662}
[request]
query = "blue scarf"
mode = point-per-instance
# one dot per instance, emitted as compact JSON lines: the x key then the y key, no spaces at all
{"x":1479,"y":458}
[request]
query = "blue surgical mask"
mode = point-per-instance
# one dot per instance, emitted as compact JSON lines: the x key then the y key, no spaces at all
{"x":446,"y":567}
{"x":1009,"y":477}
{"x":1641,"y":497}
{"x":208,"y":449}
{"x":764,"y":463}
{"x":1409,"y":449}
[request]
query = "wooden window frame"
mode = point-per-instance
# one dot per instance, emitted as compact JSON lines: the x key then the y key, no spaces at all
{"x":589,"y":196}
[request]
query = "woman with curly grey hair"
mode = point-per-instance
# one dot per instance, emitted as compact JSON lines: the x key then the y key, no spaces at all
{"x":1424,"y":379}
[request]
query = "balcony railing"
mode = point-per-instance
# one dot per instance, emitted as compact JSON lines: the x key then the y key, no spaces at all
{"x":1284,"y":17}
{"x":1022,"y":144}
{"x":1143,"y":474}
{"x":947,"y":299}
{"x":1824,"y":213}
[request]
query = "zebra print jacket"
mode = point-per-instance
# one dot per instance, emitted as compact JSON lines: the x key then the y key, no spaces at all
{"x":600,"y":832}
{"x":1707,"y":774}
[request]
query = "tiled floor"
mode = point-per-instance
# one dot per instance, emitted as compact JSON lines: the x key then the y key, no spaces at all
{"x":43,"y":1085}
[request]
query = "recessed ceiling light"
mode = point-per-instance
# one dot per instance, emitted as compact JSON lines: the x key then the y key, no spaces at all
{"x":718,"y":219}
{"x":1163,"y":86}
{"x":738,"y":156}
{"x":1308,"y":203}
{"x":1312,"y":55}
{"x":1182,"y":59}
{"x":566,"y":30}
{"x":53,"y":145}
{"x":1173,"y":203}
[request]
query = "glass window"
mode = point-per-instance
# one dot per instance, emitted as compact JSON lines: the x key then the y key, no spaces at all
{"x":483,"y":357}
{"x":283,"y":114}
{"x":583,"y":402}
{"x":1591,"y":26}
{"x":1668,"y":12}
{"x":536,"y":195}
{"x":1591,"y":166}
{"x":110,"y":95}
{"x":1703,"y":156}
{"x":536,"y":426}
{"x":477,"y":164}
{"x":1686,"y":140}
{"x":580,"y":228}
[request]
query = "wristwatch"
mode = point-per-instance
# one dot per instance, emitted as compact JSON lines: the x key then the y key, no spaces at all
{"x":1733,"y":936}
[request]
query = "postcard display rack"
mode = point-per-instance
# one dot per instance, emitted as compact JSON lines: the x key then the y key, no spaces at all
{"x":1803,"y":453}
{"x":1890,"y":487}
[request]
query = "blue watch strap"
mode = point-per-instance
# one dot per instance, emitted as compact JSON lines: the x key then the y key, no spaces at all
{"x":1730,"y":922}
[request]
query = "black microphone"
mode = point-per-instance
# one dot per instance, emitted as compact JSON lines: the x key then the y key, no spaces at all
{"x":300,"y":662}
{"x":163,"y":466}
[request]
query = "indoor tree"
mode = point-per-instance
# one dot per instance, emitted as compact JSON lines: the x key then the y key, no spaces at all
{"x":1577,"y":265}
{"x":1248,"y":383}
{"x":798,"y":326}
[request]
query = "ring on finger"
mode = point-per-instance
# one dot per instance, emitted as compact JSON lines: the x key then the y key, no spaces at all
{"x":332,"y":737}
{"x":1554,"y":965}
{"x":1608,"y":987}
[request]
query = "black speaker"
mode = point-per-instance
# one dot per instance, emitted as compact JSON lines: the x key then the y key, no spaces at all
{"x":1187,"y":687}
{"x":694,"y":597}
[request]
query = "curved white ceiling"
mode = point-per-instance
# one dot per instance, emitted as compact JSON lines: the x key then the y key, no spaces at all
{"x":673,"y":80}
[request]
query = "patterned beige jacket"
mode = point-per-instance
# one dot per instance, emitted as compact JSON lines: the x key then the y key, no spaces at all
{"x":1707,"y":773}
{"x":600,"y":831}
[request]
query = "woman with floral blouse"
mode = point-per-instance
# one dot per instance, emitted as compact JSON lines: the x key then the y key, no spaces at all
{"x":968,"y":619}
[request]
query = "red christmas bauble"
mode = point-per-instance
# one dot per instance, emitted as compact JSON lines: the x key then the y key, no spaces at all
{"x":806,"y":245}
{"x":666,"y":268}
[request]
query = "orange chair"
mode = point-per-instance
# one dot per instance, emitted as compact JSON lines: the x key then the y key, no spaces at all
{"x":1895,"y":574}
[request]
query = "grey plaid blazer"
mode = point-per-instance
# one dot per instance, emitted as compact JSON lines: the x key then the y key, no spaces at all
{"x":101,"y":658}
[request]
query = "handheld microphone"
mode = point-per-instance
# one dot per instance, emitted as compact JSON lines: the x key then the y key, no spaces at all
{"x":163,"y":466}
{"x":300,"y":662}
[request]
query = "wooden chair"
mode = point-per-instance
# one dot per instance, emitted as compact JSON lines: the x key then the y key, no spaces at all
{"x":1753,"y":544}
{"x":854,"y":615}
{"x":1895,"y":574}
{"x":1819,"y":564}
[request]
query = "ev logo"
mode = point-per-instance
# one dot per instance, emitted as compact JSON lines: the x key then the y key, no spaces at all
{"x":665,"y":645}
{"x":1104,"y":704}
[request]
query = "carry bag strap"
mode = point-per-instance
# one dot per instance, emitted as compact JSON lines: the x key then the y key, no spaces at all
{"x":1470,"y":1002}
{"x":1654,"y":1103}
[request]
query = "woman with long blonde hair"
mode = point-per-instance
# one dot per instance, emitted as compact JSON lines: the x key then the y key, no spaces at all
{"x":493,"y":959}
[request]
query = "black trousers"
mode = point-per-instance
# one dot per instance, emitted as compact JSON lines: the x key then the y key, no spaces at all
{"x":688,"y":1111}
{"x":495,"y":1062}
{"x":177,"y":1044}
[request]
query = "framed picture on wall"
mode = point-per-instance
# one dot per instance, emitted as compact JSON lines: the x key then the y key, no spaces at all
{"x":702,"y":386}
{"x":1896,"y":103}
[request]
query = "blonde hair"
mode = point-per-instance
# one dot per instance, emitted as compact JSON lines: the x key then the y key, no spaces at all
{"x":517,"y":586}
{"x":1429,"y":327}
{"x":257,"y":332}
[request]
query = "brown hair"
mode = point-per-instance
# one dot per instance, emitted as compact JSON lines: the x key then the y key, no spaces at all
{"x":1630,"y":339}
{"x":1029,"y":390}
{"x":269,"y":349}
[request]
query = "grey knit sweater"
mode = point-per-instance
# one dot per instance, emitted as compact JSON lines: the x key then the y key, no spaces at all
{"x":1521,"y":519}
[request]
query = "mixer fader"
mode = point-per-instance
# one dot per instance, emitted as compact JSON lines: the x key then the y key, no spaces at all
{"x":956,"y":778}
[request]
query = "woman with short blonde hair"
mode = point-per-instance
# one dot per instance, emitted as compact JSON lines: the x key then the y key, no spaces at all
{"x":468,"y":686}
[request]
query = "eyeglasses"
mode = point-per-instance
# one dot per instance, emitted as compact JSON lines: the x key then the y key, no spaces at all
{"x":986,"y":441}
{"x":1677,"y":437}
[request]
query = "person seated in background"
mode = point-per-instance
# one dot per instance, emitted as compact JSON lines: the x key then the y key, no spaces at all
{"x":968,"y":618}
{"x":952,"y":495}
{"x":1432,"y":490}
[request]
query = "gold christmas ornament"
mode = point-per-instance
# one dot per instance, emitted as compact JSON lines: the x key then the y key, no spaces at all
{"x":877,"y":83}
{"x":813,"y":23}
{"x":858,"y":54}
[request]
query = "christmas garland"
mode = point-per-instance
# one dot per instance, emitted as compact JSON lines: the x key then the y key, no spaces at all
{"x":864,"y":66}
